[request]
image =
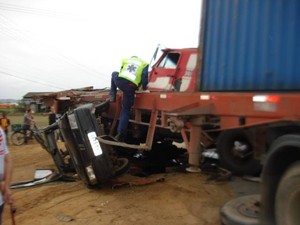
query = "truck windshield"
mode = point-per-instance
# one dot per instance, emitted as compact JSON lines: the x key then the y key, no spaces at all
{"x":169,"y":61}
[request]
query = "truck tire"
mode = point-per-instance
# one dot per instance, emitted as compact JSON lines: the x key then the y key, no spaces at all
{"x":120,"y":167}
{"x":241,"y":211}
{"x":240,"y":162}
{"x":287,"y":201}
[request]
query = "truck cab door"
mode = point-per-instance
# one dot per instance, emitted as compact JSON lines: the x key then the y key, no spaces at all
{"x":175,"y":70}
{"x":164,"y":72}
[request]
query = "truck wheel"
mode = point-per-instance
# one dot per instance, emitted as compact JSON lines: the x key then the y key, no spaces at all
{"x":120,"y":166}
{"x":241,"y":211}
{"x":287,"y":201}
{"x":236,"y":153}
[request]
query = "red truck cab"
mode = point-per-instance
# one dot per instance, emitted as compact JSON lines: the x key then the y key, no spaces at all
{"x":174,"y":71}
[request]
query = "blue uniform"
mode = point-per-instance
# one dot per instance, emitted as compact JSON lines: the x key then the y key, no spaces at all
{"x":128,"y":88}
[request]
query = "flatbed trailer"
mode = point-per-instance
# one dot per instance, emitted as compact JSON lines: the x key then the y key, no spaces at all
{"x":260,"y":113}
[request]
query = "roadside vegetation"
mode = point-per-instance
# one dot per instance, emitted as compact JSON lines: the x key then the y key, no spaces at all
{"x":41,"y":119}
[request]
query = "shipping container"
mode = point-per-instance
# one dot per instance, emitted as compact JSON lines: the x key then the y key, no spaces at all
{"x":250,"y":45}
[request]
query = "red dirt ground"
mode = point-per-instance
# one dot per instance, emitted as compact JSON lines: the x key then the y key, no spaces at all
{"x":182,"y":198}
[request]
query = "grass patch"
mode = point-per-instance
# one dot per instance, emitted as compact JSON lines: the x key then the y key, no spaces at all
{"x":40,"y":120}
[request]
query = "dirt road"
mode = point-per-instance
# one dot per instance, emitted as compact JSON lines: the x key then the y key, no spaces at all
{"x":182,"y":198}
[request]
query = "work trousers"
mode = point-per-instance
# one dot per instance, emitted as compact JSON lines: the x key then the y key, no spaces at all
{"x":26,"y":129}
{"x":128,"y":88}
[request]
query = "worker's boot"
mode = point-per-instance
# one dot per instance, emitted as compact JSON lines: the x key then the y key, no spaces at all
{"x":120,"y":137}
{"x":112,"y":98}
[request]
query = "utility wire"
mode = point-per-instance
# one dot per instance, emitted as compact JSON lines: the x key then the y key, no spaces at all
{"x":30,"y":80}
{"x":34,"y":11}
{"x":39,"y":72}
{"x":24,"y":37}
{"x":8,"y":32}
{"x":27,"y":75}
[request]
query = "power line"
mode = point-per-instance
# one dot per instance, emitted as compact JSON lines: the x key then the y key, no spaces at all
{"x":35,"y":70}
{"x":27,"y":75}
{"x":34,"y":11}
{"x":9,"y":32}
{"x":26,"y":79}
{"x":21,"y":37}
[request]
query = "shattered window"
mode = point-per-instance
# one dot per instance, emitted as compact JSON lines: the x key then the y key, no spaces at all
{"x":170,"y":61}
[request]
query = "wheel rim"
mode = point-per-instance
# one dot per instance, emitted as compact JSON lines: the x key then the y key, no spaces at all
{"x":241,"y":151}
{"x":121,"y":166}
{"x":293,"y":207}
{"x":236,"y":153}
{"x":18,"y":139}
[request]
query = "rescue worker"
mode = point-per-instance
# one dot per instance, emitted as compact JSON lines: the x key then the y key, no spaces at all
{"x":132,"y":76}
{"x":4,"y":123}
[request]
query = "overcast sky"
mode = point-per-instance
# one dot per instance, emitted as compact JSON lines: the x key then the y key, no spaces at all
{"x":53,"y":45}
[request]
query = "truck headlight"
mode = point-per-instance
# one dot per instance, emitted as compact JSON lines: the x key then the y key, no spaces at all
{"x":91,"y":174}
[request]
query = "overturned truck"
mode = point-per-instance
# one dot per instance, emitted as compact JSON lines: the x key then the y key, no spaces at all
{"x":95,"y":163}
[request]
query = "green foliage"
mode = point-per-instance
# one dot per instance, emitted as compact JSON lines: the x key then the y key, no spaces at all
{"x":20,"y":108}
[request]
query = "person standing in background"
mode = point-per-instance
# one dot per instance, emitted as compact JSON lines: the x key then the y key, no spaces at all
{"x":51,"y":116}
{"x":28,"y":120}
{"x":5,"y":174}
{"x":4,"y":123}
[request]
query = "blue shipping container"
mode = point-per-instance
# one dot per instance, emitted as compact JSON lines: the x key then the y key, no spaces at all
{"x":250,"y":45}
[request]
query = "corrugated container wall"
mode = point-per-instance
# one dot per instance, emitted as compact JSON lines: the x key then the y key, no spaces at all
{"x":250,"y":45}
